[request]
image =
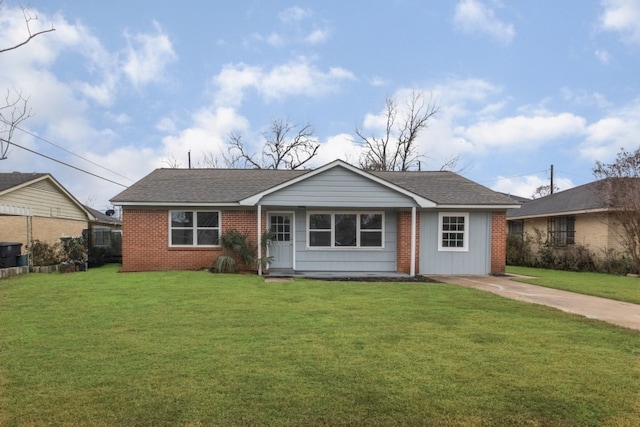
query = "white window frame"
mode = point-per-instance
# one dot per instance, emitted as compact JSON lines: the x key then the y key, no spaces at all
{"x":465,"y":236}
{"x":195,"y":228}
{"x":333,"y":231}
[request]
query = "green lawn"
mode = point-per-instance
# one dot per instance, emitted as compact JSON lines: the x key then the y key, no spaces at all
{"x":621,"y":288}
{"x":101,"y":348}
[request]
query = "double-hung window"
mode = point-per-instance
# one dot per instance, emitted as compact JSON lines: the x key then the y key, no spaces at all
{"x":346,"y":230}
{"x":561,"y":230}
{"x":194,"y":228}
{"x":454,"y":231}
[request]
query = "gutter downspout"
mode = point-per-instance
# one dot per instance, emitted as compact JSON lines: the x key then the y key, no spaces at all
{"x":259,"y":242}
{"x":412,"y":267}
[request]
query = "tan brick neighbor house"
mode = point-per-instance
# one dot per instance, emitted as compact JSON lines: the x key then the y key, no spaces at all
{"x":578,"y":216}
{"x":35,"y":206}
{"x":336,"y":218}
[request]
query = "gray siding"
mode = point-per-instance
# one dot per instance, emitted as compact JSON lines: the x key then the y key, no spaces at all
{"x":379,"y":260}
{"x":338,"y":187}
{"x":475,"y":261}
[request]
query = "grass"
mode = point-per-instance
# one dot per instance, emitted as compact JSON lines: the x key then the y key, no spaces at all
{"x":621,"y":288}
{"x":100,"y":348}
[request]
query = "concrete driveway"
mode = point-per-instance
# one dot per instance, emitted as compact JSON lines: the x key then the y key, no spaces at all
{"x":615,"y":312}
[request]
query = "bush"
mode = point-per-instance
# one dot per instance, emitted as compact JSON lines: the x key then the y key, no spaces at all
{"x":44,"y":253}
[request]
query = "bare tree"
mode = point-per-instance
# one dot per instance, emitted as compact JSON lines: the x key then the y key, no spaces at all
{"x":15,"y":110}
{"x":619,"y":187}
{"x":12,"y":114}
{"x":397,"y":148}
{"x":544,"y":190}
{"x":284,"y":148}
{"x":28,"y":18}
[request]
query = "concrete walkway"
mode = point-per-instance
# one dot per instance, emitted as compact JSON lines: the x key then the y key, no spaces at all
{"x":615,"y":312}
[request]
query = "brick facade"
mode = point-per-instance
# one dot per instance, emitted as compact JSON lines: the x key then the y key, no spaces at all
{"x":498,"y":242}
{"x":403,"y":251}
{"x":16,"y":229}
{"x":145,"y":240}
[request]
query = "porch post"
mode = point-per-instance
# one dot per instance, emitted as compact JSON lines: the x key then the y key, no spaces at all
{"x":412,"y":267}
{"x":259,"y":240}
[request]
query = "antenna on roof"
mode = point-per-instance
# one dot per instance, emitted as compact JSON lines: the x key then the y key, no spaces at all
{"x":189,"y":157}
{"x":551,"y":179}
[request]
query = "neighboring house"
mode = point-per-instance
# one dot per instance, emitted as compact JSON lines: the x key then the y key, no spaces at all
{"x":105,"y":231}
{"x":578,"y":216}
{"x":336,"y":218}
{"x":34,"y":206}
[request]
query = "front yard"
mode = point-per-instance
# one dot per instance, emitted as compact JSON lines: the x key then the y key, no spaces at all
{"x":191,"y":348}
{"x":621,"y":288}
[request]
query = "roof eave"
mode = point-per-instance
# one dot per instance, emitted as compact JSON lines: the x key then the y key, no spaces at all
{"x":548,"y":214}
{"x":173,"y":204}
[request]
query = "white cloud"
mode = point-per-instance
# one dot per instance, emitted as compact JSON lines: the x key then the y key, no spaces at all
{"x":338,"y":147}
{"x":207,"y":134}
{"x":525,"y":186}
{"x":148,"y":56}
{"x":606,"y":136}
{"x":295,"y":14}
{"x":522,"y":132}
{"x":622,"y":16}
{"x":472,"y":16}
{"x":298,"y":77}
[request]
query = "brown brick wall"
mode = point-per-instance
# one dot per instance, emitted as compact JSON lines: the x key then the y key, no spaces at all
{"x":145,"y":240}
{"x":403,"y":239}
{"x":14,"y":229}
{"x":498,"y":242}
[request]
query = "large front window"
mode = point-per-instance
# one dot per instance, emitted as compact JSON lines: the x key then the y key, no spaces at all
{"x":561,"y":230}
{"x":346,"y":230}
{"x":194,"y":228}
{"x":454,"y":232}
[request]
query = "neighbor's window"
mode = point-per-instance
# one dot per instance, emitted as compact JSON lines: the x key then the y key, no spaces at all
{"x":516,"y":228}
{"x":346,"y":230}
{"x":561,"y":230}
{"x":194,"y":228}
{"x":454,"y":232}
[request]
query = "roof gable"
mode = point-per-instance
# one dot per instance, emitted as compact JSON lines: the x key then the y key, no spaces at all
{"x":16,"y":181}
{"x":419,"y":200}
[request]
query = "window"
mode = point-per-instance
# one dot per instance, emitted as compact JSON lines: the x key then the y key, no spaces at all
{"x":516,"y":228}
{"x":101,"y":237}
{"x":194,"y":228}
{"x":281,"y":227}
{"x":561,"y":230}
{"x":346,"y":230}
{"x":454,"y":233}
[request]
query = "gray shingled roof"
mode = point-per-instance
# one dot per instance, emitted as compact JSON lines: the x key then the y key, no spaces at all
{"x":14,"y":179}
{"x":445,"y":188}
{"x":582,"y":198}
{"x":203,"y":185}
{"x":233,"y":185}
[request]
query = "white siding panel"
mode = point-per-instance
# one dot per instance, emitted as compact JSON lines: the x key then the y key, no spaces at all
{"x":45,"y":200}
{"x":338,"y":187}
{"x":477,"y":260}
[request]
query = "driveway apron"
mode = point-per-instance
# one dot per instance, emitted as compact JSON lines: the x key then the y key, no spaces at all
{"x":615,"y":312}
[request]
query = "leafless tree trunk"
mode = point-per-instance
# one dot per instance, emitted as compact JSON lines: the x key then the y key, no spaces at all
{"x":284,"y":148}
{"x":396,"y":149}
{"x":15,"y":110}
{"x":620,"y":189}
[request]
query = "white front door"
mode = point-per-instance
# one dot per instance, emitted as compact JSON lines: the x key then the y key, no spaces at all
{"x":281,"y":249}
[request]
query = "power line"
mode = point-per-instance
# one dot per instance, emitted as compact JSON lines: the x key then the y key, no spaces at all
{"x":63,"y":163}
{"x":64,"y":149}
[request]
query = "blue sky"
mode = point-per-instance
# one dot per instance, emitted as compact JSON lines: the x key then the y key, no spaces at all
{"x":121,"y":88}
